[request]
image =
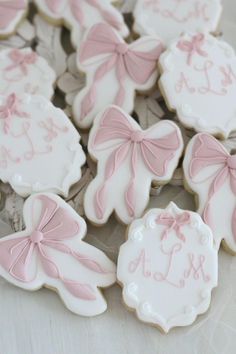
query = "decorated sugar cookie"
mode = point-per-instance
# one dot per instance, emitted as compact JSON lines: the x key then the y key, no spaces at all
{"x":114,"y":70}
{"x":168,"y":267}
{"x":129,"y":160}
{"x":50,"y":252}
{"x":22,"y":70}
{"x":79,"y":15}
{"x":170,"y":18}
{"x":199,"y":82}
{"x":39,"y":146}
{"x":11,"y":13}
{"x":210,"y":172}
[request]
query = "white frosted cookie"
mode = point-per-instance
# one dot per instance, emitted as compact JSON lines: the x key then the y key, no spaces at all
{"x":170,"y":18}
{"x":50,"y":252}
{"x":24,"y":71}
{"x":210,"y":172}
{"x":79,"y":15}
{"x":114,"y":71}
{"x":39,"y":146}
{"x":199,"y":82}
{"x":129,"y":160}
{"x":168,"y":267}
{"x":11,"y":14}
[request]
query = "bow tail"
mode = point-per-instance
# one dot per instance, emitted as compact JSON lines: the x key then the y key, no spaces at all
{"x":120,"y":74}
{"x":89,"y":100}
{"x":77,"y":11}
{"x":130,"y":191}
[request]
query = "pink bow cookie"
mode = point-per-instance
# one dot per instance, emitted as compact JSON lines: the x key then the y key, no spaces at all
{"x":11,"y":12}
{"x":114,"y":71}
{"x":129,"y":159}
{"x":210,"y":172}
{"x":79,"y":15}
{"x":50,"y":252}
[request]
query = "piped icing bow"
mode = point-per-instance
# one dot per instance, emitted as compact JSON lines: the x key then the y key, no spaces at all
{"x":193,"y":47}
{"x":173,"y":223}
{"x":123,"y":58}
{"x":55,"y":226}
{"x":9,"y":10}
{"x":76,"y":7}
{"x":206,"y":152}
{"x":133,"y":144}
{"x":21,"y":60}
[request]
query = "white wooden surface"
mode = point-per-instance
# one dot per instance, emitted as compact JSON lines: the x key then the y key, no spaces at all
{"x":38,"y":323}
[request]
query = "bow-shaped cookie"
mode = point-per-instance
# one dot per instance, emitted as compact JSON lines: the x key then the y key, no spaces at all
{"x":9,"y":10}
{"x":39,"y":255}
{"x":105,"y":49}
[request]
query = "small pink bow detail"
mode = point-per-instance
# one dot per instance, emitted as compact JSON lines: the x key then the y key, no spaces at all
{"x":9,"y":10}
{"x":10,"y":109}
{"x":55,"y":226}
{"x":192,"y":47}
{"x":155,"y":153}
{"x":207,"y":151}
{"x":173,"y":223}
{"x":21,"y":60}
{"x":127,"y":61}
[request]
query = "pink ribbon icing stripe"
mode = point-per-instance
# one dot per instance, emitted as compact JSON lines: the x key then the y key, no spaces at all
{"x":173,"y":223}
{"x":9,"y":10}
{"x":207,"y":151}
{"x":21,"y":60}
{"x":193,"y":47}
{"x":139,"y":145}
{"x":126,"y":61}
{"x":55,"y":226}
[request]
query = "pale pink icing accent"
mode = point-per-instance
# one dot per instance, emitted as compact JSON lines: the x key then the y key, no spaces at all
{"x":229,"y":75}
{"x":193,"y":47}
{"x":136,"y":144}
{"x":52,"y":129}
{"x":55,"y":226}
{"x":10,"y":109}
{"x":9,"y":10}
{"x":207,"y":151}
{"x":182,"y":83}
{"x":6,"y":156}
{"x":54,"y":5}
{"x":197,"y":269}
{"x":21,"y":60}
{"x":173,"y":223}
{"x":127,"y":62}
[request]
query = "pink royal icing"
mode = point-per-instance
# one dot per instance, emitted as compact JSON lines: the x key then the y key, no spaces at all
{"x":133,"y":147}
{"x":9,"y":10}
{"x":55,"y":226}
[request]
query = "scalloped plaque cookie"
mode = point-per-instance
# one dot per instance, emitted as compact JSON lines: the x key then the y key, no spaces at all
{"x":79,"y":15}
{"x":11,"y":14}
{"x":170,"y":18}
{"x":24,"y":71}
{"x":210,"y":172}
{"x":50,"y":252}
{"x":39,"y":146}
{"x":114,"y":71}
{"x":129,"y":160}
{"x":199,"y":82}
{"x":168,"y":267}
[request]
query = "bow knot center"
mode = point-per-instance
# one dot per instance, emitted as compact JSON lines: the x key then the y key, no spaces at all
{"x":231,"y":162}
{"x":137,"y":136}
{"x":36,"y":236}
{"x":122,"y":48}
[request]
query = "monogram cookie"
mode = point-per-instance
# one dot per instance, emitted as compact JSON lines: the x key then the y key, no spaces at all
{"x":168,"y":267}
{"x":129,"y":161}
{"x":50,"y":252}
{"x":24,"y":71}
{"x":39,"y":146}
{"x":210,"y":173}
{"x":199,"y":82}
{"x":170,"y":18}
{"x":11,"y":14}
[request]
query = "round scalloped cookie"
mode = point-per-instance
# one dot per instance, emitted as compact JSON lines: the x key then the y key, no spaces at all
{"x":24,"y":71}
{"x":198,"y":81}
{"x":11,"y":14}
{"x":80,"y":15}
{"x":170,"y":18}
{"x":210,"y":173}
{"x":168,"y":267}
{"x":39,"y":146}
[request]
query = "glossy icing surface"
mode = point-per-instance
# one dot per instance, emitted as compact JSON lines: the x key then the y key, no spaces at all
{"x":168,"y":267}
{"x":11,"y":13}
